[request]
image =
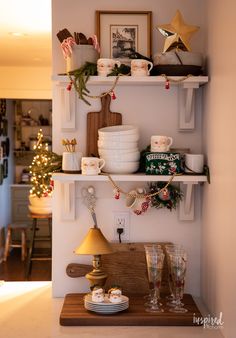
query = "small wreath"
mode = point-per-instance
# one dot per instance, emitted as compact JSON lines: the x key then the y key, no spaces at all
{"x":168,"y":198}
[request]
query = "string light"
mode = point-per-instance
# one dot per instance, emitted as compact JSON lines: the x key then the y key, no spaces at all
{"x":43,"y":164}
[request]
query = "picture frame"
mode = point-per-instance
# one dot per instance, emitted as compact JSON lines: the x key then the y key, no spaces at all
{"x":4,"y":148}
{"x":5,"y":168}
{"x":1,"y":125}
{"x":3,"y":107}
{"x":121,"y":33}
{"x":4,"y":127}
{"x":7,"y":141}
{"x":1,"y":174}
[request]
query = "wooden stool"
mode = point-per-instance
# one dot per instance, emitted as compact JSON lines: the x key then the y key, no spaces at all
{"x":9,"y":243}
{"x":34,"y":238}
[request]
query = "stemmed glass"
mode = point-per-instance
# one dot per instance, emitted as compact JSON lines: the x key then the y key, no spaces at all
{"x":177,"y":263}
{"x":155,"y":260}
{"x":148,"y":298}
{"x":174,"y":249}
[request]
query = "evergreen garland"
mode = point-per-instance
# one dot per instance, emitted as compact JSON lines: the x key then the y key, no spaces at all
{"x":44,"y":163}
{"x":79,"y":79}
{"x":169,"y":198}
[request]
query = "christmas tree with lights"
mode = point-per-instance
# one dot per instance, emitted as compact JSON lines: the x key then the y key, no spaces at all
{"x":44,"y":163}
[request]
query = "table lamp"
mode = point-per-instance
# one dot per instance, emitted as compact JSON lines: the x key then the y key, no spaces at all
{"x":95,"y":244}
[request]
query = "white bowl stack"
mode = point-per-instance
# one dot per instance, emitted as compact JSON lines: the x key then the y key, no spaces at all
{"x":118,"y":146}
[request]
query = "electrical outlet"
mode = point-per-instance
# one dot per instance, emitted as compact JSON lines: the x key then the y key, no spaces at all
{"x":121,"y":220}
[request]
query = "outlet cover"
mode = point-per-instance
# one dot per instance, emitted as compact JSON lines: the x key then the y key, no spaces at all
{"x":121,"y":219}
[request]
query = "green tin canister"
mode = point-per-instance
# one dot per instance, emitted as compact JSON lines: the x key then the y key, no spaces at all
{"x":162,"y":163}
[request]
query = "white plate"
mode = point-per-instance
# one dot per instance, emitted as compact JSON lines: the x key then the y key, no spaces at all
{"x":88,"y":299}
{"x":106,"y":310}
{"x":93,"y":306}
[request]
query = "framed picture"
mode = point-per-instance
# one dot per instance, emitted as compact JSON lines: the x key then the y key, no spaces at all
{"x":1,"y":174}
{"x":7,"y":141}
{"x":4,"y":127}
{"x":3,"y":107}
{"x":1,"y":125}
{"x":121,"y":33}
{"x":5,"y":168}
{"x":4,"y":148}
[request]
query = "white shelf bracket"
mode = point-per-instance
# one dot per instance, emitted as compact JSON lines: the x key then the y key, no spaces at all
{"x":187,"y":106}
{"x":68,"y":200}
{"x":68,"y":108}
{"x":186,"y":206}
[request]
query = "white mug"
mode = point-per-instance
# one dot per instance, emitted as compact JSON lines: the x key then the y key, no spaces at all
{"x":139,"y":205}
{"x":92,"y":165}
{"x":105,"y":66}
{"x":160,"y":143}
{"x":71,"y":161}
{"x":194,"y":163}
{"x":140,"y":67}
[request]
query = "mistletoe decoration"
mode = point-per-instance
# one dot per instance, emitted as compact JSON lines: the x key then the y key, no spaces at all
{"x":168,"y":198}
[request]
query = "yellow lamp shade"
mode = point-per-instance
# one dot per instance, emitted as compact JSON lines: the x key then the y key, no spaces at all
{"x":94,"y":244}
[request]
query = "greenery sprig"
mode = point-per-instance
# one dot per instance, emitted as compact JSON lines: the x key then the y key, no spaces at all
{"x":79,"y":79}
{"x":168,"y":198}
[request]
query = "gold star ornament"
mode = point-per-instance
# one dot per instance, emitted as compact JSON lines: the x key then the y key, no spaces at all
{"x":177,"y":33}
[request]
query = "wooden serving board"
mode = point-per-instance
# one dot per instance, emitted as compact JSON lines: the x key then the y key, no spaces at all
{"x":97,"y":120}
{"x":125,"y":267}
{"x":74,"y":314}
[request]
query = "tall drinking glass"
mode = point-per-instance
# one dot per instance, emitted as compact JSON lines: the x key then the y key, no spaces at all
{"x":151,"y":248}
{"x":155,"y":260}
{"x":172,"y":249}
{"x":178,"y":271}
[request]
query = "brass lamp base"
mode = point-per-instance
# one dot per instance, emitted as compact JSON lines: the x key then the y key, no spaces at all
{"x":97,"y":276}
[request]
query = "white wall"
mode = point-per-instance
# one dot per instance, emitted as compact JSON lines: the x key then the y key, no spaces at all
{"x":218,"y":230}
{"x":79,"y":16}
{"x":154,"y":110}
{"x":5,"y":201}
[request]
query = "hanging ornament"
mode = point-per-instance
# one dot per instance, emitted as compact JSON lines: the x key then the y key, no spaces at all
{"x":165,"y":195}
{"x":167,"y":85}
{"x":177,"y":33}
{"x":69,"y":86}
{"x":113,"y":95}
{"x":116,"y":194}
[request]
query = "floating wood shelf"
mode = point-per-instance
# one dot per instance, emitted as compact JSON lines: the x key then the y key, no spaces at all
{"x":68,"y":189}
{"x":186,"y":95}
{"x":74,"y":314}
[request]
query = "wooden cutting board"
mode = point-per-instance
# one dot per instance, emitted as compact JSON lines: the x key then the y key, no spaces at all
{"x":125,"y":267}
{"x":97,"y":120}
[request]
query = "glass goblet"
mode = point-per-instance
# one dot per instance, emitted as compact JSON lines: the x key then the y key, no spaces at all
{"x":174,"y":250}
{"x":151,"y":248}
{"x":155,"y":259}
{"x":178,"y":272}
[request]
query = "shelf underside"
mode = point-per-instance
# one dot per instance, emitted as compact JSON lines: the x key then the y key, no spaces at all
{"x":140,"y":177}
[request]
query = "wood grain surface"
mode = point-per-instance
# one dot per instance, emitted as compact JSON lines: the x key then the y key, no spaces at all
{"x":125,"y":267}
{"x":97,"y":120}
{"x":74,"y":314}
